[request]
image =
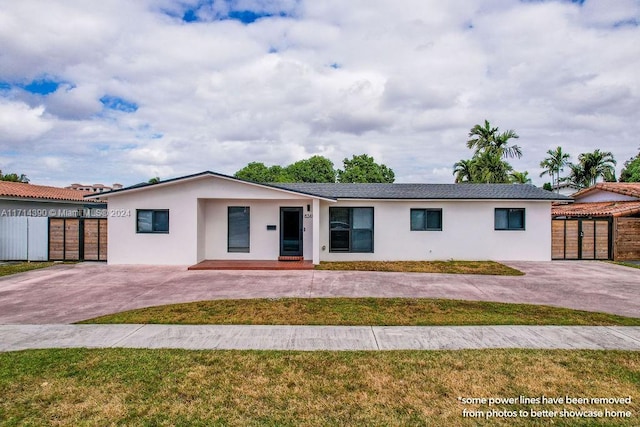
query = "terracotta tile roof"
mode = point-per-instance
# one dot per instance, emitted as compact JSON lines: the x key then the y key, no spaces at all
{"x":597,"y":209}
{"x":626,"y":188}
{"x":31,"y":191}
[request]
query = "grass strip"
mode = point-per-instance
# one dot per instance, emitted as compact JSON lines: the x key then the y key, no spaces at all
{"x":445,"y":267}
{"x":267,"y":388}
{"x":361,"y":311}
{"x":7,"y":269}
{"x":626,"y":264}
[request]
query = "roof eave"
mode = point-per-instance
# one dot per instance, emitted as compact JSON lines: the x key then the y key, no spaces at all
{"x":47,"y":200}
{"x":192,"y":177}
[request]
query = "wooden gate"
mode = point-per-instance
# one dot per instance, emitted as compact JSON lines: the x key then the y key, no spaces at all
{"x":77,"y":239}
{"x":581,"y":239}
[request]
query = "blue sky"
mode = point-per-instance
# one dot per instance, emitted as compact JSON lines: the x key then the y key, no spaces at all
{"x":121,"y":91}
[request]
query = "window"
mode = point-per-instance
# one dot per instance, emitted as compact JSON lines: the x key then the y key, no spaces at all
{"x":238,"y":232}
{"x":351,"y":229}
{"x":426,"y":219}
{"x":509,"y":219}
{"x":152,"y":221}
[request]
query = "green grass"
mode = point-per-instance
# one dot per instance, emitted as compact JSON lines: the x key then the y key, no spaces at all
{"x":132,"y":387}
{"x":447,"y":267}
{"x":626,"y":264}
{"x":362,"y":311}
{"x":8,"y":269}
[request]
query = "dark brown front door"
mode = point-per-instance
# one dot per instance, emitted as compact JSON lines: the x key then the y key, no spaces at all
{"x":291,"y":231}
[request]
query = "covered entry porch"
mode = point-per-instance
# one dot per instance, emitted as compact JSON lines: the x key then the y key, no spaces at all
{"x":257,"y":233}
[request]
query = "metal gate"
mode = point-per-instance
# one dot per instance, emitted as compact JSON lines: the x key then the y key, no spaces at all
{"x":23,"y":238}
{"x":77,"y":239}
{"x":581,"y":239}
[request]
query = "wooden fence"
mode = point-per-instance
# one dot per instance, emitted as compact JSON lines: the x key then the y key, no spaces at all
{"x":77,"y":239}
{"x":581,"y":239}
{"x":627,"y":239}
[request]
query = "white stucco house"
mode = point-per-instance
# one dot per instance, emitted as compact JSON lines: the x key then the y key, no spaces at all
{"x":210,"y":216}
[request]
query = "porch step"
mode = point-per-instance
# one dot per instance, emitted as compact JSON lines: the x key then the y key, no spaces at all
{"x":291,"y":258}
{"x":251,"y":265}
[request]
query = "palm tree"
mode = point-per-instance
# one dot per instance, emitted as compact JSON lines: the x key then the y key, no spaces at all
{"x":520,"y":177}
{"x":554,"y":164}
{"x":487,"y":138}
{"x":577,"y":176}
{"x":597,"y":164}
{"x":491,"y":169}
{"x":463,"y":170}
{"x":591,"y":166}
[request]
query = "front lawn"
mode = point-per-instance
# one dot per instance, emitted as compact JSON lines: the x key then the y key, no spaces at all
{"x":21,"y":267}
{"x":362,"y":311}
{"x":238,"y":388}
{"x":447,"y":267}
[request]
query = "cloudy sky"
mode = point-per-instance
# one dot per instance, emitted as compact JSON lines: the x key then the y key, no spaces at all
{"x":122,"y":91}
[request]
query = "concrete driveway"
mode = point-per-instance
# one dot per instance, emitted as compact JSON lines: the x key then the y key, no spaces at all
{"x":70,"y":293}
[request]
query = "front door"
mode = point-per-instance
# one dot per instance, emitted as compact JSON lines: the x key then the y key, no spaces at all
{"x":290,"y":231}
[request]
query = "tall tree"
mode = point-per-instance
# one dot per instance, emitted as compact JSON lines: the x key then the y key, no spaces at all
{"x":591,"y":167}
{"x":631,"y":170}
{"x":313,"y":169}
{"x":597,"y":165}
{"x":363,"y":168}
{"x":488,"y":139}
{"x":14,"y":177}
{"x":519,"y":177}
{"x":489,"y":168}
{"x":463,"y":170}
{"x":577,"y":175}
{"x":258,"y":172}
{"x":554,"y":164}
{"x":490,"y":148}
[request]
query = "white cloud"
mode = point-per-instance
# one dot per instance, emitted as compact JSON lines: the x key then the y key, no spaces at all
{"x":403,"y":81}
{"x":20,"y":123}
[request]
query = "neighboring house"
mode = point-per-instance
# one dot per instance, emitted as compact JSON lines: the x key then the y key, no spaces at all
{"x":209,"y":216}
{"x":603,"y":223}
{"x":25,"y":210}
{"x":95,"y":188}
{"x":565,"y":188}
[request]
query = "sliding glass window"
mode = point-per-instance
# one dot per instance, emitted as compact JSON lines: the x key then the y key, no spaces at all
{"x":509,"y":218}
{"x":351,"y":229}
{"x":152,"y":221}
{"x":426,"y":219}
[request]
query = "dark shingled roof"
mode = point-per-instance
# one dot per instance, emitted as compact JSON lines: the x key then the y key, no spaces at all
{"x":424,"y":191}
{"x":384,"y":191}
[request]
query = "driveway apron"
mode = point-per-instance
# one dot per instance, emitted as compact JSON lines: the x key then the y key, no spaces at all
{"x":70,"y":293}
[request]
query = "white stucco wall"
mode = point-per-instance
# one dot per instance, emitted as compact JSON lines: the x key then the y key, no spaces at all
{"x":198,"y":226}
{"x":198,"y":221}
{"x":467,"y":232}
{"x":265,"y":244}
{"x":604,"y":196}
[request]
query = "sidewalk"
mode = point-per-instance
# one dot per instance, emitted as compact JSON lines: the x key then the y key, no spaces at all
{"x":309,"y":338}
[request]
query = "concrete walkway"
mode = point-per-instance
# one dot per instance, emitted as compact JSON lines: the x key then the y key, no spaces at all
{"x":309,"y":338}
